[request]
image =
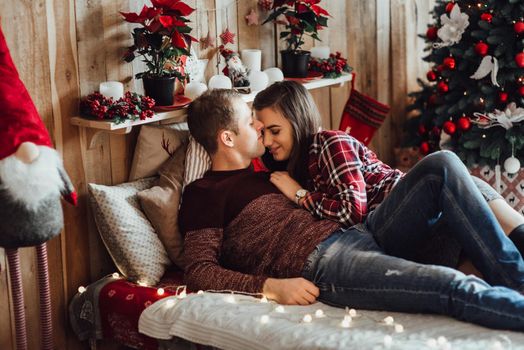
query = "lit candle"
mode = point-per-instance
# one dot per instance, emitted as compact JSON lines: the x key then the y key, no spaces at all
{"x":320,"y":52}
{"x":252,"y":59}
{"x":112,"y":89}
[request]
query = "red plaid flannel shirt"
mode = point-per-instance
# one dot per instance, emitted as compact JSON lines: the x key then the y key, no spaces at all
{"x":349,"y":180}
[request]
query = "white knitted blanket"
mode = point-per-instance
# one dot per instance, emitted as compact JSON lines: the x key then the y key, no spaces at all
{"x":229,"y":321}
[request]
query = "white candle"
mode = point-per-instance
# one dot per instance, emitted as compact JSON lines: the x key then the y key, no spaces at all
{"x":252,"y":59}
{"x":320,"y":52}
{"x":114,"y":89}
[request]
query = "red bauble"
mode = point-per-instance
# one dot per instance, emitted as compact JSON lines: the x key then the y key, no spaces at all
{"x":449,"y":127}
{"x":481,"y":48}
{"x":518,"y":27}
{"x":424,"y":148}
{"x":464,"y":123}
{"x":449,"y":6}
{"x":521,"y":90}
{"x":449,"y":62}
{"x":503,"y":96}
{"x":432,"y":76}
{"x":442,"y":87}
{"x":421,"y":129}
{"x":519,"y":59}
{"x":486,"y":17}
{"x":431,"y":33}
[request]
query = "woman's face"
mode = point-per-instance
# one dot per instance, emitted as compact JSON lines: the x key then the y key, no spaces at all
{"x":278,"y":133}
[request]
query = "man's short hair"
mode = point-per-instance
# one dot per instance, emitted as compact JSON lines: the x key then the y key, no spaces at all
{"x":208,"y":114}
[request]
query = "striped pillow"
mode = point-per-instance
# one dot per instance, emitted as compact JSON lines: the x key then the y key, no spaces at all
{"x":197,"y":162}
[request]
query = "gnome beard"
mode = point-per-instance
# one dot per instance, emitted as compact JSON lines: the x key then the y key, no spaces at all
{"x":30,"y":198}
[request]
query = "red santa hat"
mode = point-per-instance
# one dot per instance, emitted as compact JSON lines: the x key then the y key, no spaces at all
{"x":19,"y":119}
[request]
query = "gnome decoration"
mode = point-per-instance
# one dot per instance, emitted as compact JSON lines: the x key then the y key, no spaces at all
{"x":32,"y":181}
{"x":234,"y":68}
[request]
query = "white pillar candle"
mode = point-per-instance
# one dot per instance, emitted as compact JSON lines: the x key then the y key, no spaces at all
{"x":114,"y":89}
{"x":252,"y":59}
{"x":320,"y":52}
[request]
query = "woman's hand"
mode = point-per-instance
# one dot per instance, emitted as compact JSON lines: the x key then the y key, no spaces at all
{"x":285,"y":184}
{"x":291,"y":291}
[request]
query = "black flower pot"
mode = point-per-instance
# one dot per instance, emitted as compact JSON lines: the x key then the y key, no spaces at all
{"x":295,"y":63}
{"x":161,"y":89}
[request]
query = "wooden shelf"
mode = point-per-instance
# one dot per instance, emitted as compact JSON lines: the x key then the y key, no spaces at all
{"x":179,"y":115}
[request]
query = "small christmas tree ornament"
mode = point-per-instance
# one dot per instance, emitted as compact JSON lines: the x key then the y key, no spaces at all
{"x":519,"y":59}
{"x":431,"y":33}
{"x":489,"y":64}
{"x":481,"y":48}
{"x":521,"y":91}
{"x":442,"y":87}
{"x":431,"y":75}
{"x":486,"y":17}
{"x":512,"y":164}
{"x":227,"y":37}
{"x":503,"y":97}
{"x":424,"y":148}
{"x":449,"y":63}
{"x":518,"y":27}
{"x":449,"y":127}
{"x":453,"y":26}
{"x":252,"y":18}
{"x":421,"y":129}
{"x":464,"y":123}
{"x":449,"y":6}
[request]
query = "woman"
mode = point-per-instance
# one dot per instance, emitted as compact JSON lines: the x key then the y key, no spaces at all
{"x":334,"y":176}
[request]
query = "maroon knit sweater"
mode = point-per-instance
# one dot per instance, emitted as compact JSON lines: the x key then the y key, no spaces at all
{"x":239,"y":230}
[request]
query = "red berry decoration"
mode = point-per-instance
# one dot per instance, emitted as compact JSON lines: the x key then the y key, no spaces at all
{"x":521,"y":90}
{"x":449,"y":62}
{"x":449,"y":127}
{"x":519,"y":59}
{"x":481,"y":48}
{"x":518,"y":27}
{"x":442,"y":87}
{"x":432,"y":76}
{"x":449,"y":6}
{"x":431,"y":33}
{"x":464,"y":123}
{"x":486,"y":17}
{"x":503,"y":96}
{"x":424,"y":148}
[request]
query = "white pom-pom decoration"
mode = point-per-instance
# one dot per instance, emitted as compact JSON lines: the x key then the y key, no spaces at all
{"x":512,"y":165}
{"x":274,"y":74}
{"x":220,"y":82}
{"x":194,"y":89}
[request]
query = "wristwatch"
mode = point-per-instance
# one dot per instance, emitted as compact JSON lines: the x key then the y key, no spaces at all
{"x":301,"y":193}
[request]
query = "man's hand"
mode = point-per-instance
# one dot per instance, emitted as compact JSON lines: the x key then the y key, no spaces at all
{"x":291,"y":291}
{"x":285,"y":183}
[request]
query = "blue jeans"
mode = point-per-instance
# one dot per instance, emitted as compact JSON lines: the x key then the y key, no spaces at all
{"x":363,"y":266}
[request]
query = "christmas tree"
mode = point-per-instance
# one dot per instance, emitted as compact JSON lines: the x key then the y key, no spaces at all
{"x":474,"y":98}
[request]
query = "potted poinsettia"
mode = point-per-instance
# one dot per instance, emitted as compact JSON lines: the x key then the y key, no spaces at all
{"x":161,"y":40}
{"x":300,"y":18}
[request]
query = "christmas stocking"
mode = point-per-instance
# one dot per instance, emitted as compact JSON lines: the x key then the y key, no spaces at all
{"x":362,"y":115}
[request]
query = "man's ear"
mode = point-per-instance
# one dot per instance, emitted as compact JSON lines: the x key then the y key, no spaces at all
{"x":226,"y":137}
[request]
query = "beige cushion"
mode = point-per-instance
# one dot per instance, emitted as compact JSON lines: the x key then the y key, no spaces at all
{"x":150,"y":152}
{"x":127,"y":234}
{"x":161,"y":202}
{"x":197,"y":162}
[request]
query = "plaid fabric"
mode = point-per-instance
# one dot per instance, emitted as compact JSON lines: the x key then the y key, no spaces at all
{"x":362,"y":116}
{"x":348,"y":178}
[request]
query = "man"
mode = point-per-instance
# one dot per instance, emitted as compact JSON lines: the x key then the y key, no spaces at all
{"x":242,"y":234}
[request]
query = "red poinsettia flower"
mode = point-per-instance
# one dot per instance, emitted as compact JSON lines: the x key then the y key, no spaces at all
{"x":178,"y":40}
{"x":174,"y":5}
{"x":170,"y":22}
{"x":319,"y":10}
{"x":147,"y":13}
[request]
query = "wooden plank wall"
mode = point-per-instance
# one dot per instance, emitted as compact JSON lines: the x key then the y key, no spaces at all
{"x":64,"y":48}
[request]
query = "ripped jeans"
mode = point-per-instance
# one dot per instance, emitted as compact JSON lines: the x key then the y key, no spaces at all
{"x":364,"y":266}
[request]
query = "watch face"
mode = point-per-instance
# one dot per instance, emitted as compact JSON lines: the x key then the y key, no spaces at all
{"x":301,"y":193}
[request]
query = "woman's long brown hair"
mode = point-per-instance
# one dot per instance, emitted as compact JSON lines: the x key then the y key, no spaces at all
{"x":296,"y":105}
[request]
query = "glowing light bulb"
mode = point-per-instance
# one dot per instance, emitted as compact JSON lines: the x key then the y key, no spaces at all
{"x":280,"y":309}
{"x":264,"y":319}
{"x":319,"y":313}
{"x":346,"y":322}
{"x":399,"y":328}
{"x":307,"y":318}
{"x":230,"y":299}
{"x":432,"y":343}
{"x":352,"y":312}
{"x":160,"y":291}
{"x":143,"y":284}
{"x":183,"y":294}
{"x":389,"y":320}
{"x":81,"y":289}
{"x":115,"y":275}
{"x":483,"y":136}
{"x":200,"y":292}
{"x":441,"y":340}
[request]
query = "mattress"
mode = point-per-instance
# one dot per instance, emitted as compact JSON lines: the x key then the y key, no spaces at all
{"x":230,"y":321}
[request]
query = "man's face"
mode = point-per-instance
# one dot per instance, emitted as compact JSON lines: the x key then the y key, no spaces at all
{"x":249,"y":141}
